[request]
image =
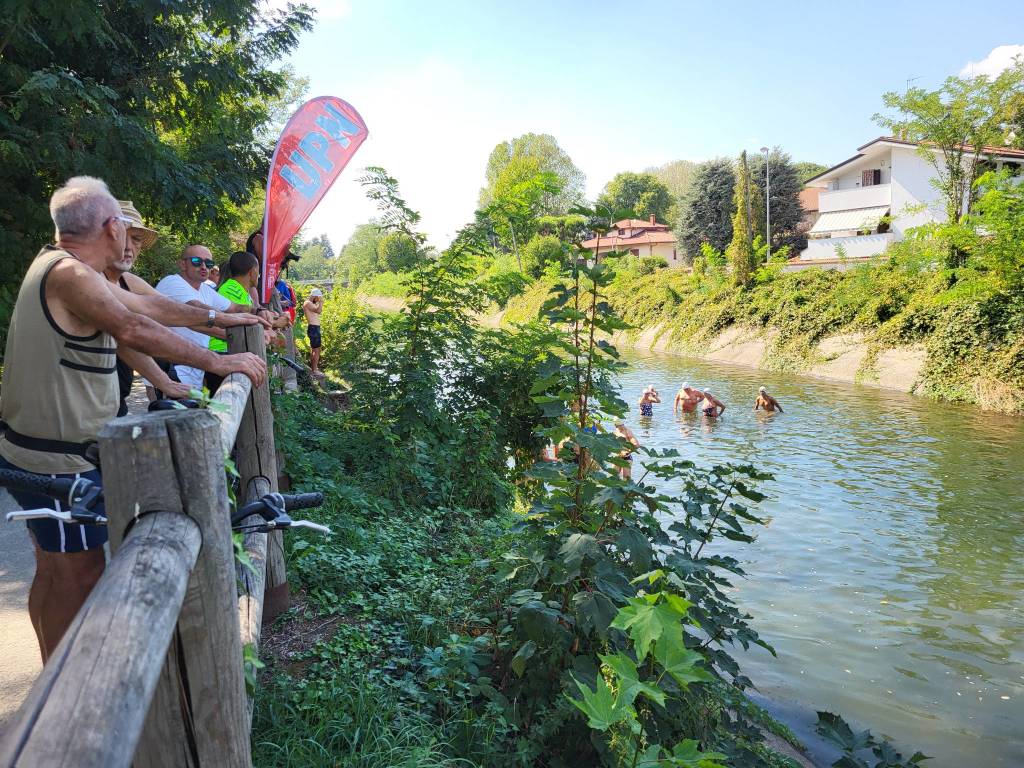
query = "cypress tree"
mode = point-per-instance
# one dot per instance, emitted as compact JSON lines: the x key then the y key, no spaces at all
{"x":745,"y":201}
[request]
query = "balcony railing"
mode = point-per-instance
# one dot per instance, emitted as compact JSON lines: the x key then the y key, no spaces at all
{"x":851,"y":247}
{"x":860,"y":197}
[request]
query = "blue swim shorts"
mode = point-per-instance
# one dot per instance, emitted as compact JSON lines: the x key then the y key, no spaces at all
{"x":53,"y":535}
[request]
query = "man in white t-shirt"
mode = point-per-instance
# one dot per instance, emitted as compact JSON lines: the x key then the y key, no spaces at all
{"x":189,"y":287}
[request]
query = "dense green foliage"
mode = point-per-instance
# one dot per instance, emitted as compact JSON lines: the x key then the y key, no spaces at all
{"x":169,"y":108}
{"x":174,"y":110}
{"x":316,"y":260}
{"x":473,"y":592}
{"x":706,"y":210}
{"x":676,"y":176}
{"x":640,"y":193}
{"x":806,"y":171}
{"x":516,"y":161}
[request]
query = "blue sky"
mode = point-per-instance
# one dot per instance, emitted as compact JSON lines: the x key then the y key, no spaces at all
{"x":621,"y":86}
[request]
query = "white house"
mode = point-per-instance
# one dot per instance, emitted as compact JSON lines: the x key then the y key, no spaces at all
{"x":640,"y":238}
{"x":886,"y":178}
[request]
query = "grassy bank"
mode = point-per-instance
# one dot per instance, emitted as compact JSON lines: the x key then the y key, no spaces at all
{"x":971,"y":327}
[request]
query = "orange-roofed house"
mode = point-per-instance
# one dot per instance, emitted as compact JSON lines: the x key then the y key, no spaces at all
{"x":640,"y":238}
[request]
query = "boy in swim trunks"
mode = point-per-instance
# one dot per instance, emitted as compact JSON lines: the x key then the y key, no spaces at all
{"x":312,"y":308}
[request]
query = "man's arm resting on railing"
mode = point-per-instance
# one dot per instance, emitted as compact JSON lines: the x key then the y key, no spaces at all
{"x":146,"y":366}
{"x":87,"y":295}
{"x":146,"y":301}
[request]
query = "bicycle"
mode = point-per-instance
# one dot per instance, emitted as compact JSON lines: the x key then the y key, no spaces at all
{"x":78,"y":498}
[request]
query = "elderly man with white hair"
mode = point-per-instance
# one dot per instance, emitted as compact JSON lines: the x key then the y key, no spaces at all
{"x":60,"y":385}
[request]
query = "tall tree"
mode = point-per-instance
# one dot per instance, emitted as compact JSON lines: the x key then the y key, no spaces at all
{"x":641,"y":193}
{"x":521,"y":159}
{"x":741,"y":250}
{"x":706,"y":209}
{"x":786,"y":211}
{"x":397,"y":252}
{"x":167,"y":107}
{"x":952,"y":125}
{"x":677,"y":176}
{"x":807,"y":170}
{"x":359,"y":258}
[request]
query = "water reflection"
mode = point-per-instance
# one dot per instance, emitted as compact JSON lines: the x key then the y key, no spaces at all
{"x":889,"y":577}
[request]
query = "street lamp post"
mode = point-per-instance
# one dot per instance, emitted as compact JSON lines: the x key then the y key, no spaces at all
{"x":767,"y":204}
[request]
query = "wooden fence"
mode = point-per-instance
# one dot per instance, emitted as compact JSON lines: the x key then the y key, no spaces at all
{"x":150,"y":673}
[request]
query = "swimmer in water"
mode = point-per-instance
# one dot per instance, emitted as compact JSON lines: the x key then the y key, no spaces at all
{"x":766,"y":401}
{"x":647,"y":401}
{"x":686,"y":399}
{"x":711,"y":406}
{"x":621,"y":430}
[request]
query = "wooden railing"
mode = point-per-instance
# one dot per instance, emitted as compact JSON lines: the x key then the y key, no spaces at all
{"x":150,"y":673}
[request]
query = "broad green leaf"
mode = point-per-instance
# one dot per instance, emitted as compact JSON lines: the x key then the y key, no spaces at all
{"x":643,"y":624}
{"x":594,"y":611}
{"x":686,"y":754}
{"x":630,"y":684}
{"x":680,"y":662}
{"x":639,"y":548}
{"x":602,"y":709}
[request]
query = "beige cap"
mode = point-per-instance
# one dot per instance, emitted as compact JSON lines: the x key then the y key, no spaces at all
{"x":148,"y":235}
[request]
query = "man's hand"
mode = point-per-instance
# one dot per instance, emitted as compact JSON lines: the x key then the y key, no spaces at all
{"x":174,"y":390}
{"x":244,"y":362}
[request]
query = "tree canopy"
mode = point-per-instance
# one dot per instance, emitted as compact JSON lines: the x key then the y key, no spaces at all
{"x":640,"y":193}
{"x":359,"y":258}
{"x":523,"y":158}
{"x":806,"y":171}
{"x":706,"y":209}
{"x":677,"y":176}
{"x":169,"y":108}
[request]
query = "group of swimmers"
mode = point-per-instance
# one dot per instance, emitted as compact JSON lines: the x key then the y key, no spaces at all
{"x":691,"y":399}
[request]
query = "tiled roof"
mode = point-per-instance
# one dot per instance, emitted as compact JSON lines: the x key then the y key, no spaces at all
{"x":809,"y":198}
{"x":614,"y":242}
{"x":639,"y":224}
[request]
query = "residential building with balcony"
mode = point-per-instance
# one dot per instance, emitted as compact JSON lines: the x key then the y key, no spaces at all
{"x":873,"y":198}
{"x":640,"y":238}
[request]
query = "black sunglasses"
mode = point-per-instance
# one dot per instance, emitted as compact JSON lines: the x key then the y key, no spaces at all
{"x":195,"y":261}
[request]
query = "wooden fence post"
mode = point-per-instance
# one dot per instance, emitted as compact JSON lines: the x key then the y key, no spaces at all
{"x":257,"y":465}
{"x":175,"y":461}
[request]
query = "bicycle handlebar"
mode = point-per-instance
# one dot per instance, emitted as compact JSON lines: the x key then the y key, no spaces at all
{"x":30,"y":482}
{"x":303,"y":500}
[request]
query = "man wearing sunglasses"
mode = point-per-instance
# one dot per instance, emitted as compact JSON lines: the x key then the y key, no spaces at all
{"x":189,"y":287}
{"x":60,"y":383}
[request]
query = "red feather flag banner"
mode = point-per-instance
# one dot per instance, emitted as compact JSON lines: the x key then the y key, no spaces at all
{"x":315,"y":146}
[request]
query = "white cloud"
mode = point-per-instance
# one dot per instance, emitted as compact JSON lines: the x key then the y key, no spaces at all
{"x":999,"y":58}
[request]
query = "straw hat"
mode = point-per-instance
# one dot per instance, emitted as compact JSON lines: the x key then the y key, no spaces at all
{"x":148,"y":235}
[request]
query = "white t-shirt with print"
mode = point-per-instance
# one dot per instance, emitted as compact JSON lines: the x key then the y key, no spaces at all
{"x":175,"y":287}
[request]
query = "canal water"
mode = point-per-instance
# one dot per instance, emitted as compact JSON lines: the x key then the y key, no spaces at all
{"x":890,"y":576}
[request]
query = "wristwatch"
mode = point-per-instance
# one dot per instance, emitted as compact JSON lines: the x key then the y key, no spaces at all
{"x":210,"y":318}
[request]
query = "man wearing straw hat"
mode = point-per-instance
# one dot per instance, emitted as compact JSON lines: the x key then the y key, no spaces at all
{"x":138,"y":238}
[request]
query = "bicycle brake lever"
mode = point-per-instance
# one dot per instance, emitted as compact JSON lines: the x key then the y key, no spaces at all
{"x":312,"y":526}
